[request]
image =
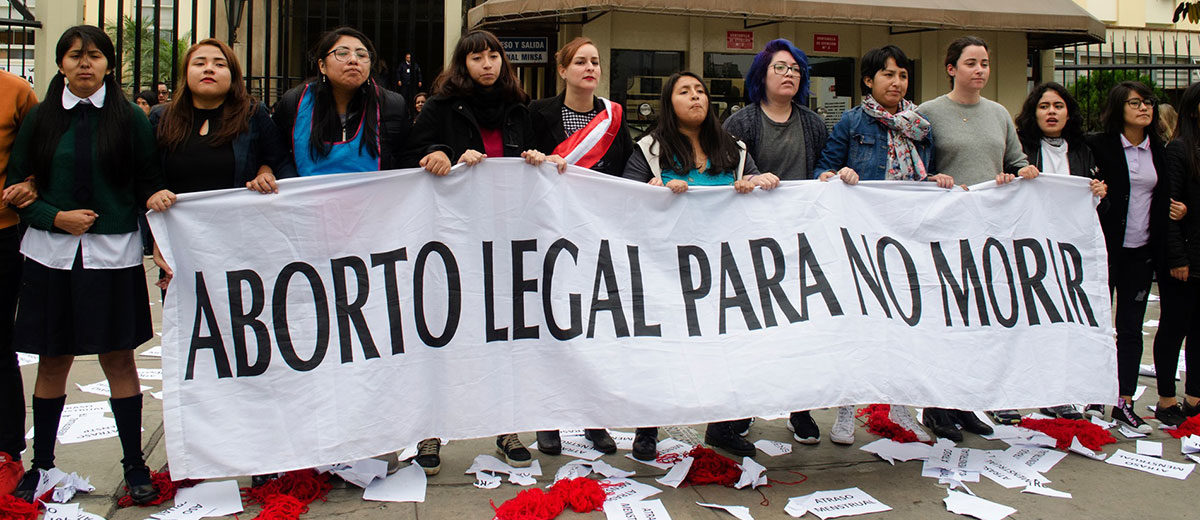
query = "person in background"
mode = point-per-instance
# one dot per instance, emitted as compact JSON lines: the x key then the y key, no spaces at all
{"x":1167,"y":121}
{"x":1130,"y":155}
{"x":164,"y":93}
{"x":146,"y":100}
{"x":1179,"y":274}
{"x":342,"y":121}
{"x":974,"y":141}
{"x":91,"y":154}
{"x":688,"y":147}
{"x":408,"y":77}
{"x":16,"y":100}
{"x":419,"y":103}
{"x":784,"y":137}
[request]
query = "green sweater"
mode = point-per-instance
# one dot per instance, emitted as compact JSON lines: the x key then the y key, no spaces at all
{"x":117,"y":204}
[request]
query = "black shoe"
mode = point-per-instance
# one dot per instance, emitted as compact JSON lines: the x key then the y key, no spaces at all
{"x":1066,"y":411}
{"x":1170,"y":415}
{"x":258,"y":480}
{"x":1011,"y":417}
{"x":742,"y":426}
{"x":723,"y":435}
{"x":804,"y":428}
{"x":1190,"y":410}
{"x":549,"y":442}
{"x":514,"y":452}
{"x":645,"y":444}
{"x":141,"y":488}
{"x":601,"y":440}
{"x":1123,"y":413}
{"x":1095,"y":410}
{"x":427,"y":456}
{"x":939,"y":421}
{"x":970,"y":422}
{"x":28,"y":485}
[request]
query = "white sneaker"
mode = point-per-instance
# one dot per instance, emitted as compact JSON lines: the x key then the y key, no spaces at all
{"x":902,"y":416}
{"x":843,"y":428}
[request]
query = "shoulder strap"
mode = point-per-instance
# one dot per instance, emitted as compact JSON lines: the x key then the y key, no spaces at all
{"x":647,"y":145}
{"x":741,"y":160}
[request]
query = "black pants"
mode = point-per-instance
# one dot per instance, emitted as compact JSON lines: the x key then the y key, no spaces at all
{"x":1180,"y":300}
{"x":12,"y":391}
{"x":1130,"y":273}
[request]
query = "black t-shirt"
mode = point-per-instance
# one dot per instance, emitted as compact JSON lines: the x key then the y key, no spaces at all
{"x":197,"y":165}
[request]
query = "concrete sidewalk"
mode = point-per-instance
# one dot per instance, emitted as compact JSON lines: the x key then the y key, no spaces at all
{"x":1100,"y":490}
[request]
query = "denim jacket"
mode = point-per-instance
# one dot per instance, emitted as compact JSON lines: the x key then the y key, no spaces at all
{"x":861,"y":142}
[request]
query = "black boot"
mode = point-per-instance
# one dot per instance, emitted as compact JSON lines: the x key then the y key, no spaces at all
{"x":127,"y":412}
{"x":942,"y":423}
{"x":549,"y":442}
{"x":601,"y":440}
{"x":645,"y":443}
{"x":971,"y":423}
{"x":722,"y":435}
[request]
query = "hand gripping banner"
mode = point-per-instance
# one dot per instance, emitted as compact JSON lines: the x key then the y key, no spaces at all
{"x":352,"y":315}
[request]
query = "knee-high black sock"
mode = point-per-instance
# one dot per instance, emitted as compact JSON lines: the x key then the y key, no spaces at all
{"x":128,"y":414}
{"x":46,"y":413}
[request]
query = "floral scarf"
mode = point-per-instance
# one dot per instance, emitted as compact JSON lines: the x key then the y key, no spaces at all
{"x":905,"y":128}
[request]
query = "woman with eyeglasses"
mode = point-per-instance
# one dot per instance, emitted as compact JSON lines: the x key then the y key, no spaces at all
{"x":1131,"y":157}
{"x":342,"y":121}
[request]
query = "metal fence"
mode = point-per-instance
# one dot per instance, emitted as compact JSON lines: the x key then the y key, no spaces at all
{"x":1163,"y":60}
{"x":17,"y":24}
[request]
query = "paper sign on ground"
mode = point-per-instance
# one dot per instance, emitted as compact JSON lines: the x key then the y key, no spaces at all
{"x":1130,"y":433}
{"x":773,"y":448}
{"x":578,"y":447}
{"x":1011,"y":473}
{"x":66,"y":488}
{"x":841,"y":502}
{"x":221,"y":498}
{"x":1137,"y":392}
{"x":624,"y":440}
{"x":643,"y":510}
{"x":1152,"y":465}
{"x":155,"y":351}
{"x":183,"y":511}
{"x":893,"y":451}
{"x":1149,"y":448}
{"x":1040,"y":460}
{"x":1078,"y":447}
{"x":61,"y":512}
{"x":960,"y":459}
{"x":1039,"y":489}
{"x":678,"y":472}
{"x":485,"y":480}
{"x":406,"y":485}
{"x":1190,"y":444}
{"x":153,"y":374}
{"x":626,"y":490}
{"x":101,"y":388}
{"x":89,"y":428}
{"x":1103,"y":423}
{"x":752,"y":474}
{"x":361,"y":472}
{"x":666,"y":446}
{"x":740,"y":512}
{"x":90,"y":408}
{"x":968,"y":505}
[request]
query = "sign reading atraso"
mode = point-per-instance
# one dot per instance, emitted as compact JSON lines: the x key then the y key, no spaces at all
{"x":351,"y":315}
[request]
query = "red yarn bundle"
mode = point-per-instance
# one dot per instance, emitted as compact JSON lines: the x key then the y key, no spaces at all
{"x":879,"y":422}
{"x":1189,"y":427}
{"x":1063,"y":430}
{"x":11,"y":472}
{"x":13,"y":508}
{"x":583,"y":495}
{"x":710,"y":467}
{"x":165,"y":486}
{"x":288,"y":497}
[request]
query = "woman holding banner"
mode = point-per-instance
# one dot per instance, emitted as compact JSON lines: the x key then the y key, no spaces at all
{"x":587,"y":131}
{"x":1130,"y":155}
{"x":688,"y":147}
{"x":1179,"y":280}
{"x":91,"y":154}
{"x":477,"y":111}
{"x":975,"y":141}
{"x":343,"y":121}
{"x":214,"y":135}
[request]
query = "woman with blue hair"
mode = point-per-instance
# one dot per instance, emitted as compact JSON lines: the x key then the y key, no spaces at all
{"x":784,"y":137}
{"x":781,"y":133}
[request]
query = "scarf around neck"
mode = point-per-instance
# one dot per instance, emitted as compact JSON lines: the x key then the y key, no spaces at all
{"x":905,"y":129}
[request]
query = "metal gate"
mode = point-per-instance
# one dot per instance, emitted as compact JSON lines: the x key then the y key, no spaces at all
{"x":271,"y":37}
{"x":17,"y":26}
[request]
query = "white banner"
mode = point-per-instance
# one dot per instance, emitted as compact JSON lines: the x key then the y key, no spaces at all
{"x":351,"y":315}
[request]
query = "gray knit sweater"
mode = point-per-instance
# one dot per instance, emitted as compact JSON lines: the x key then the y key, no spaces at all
{"x":973,"y":143}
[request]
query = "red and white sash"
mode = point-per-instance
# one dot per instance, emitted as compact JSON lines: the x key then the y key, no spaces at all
{"x":587,"y":146}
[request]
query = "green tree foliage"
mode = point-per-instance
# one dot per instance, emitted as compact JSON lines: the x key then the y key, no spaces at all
{"x":1091,"y":91}
{"x":132,"y":33}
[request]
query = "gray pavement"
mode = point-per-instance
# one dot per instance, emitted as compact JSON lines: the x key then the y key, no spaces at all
{"x":1100,"y":490}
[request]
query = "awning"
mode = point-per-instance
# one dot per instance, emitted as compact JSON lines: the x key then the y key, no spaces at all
{"x":1048,"y":23}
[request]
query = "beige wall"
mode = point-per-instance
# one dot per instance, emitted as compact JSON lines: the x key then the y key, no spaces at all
{"x":696,"y":35}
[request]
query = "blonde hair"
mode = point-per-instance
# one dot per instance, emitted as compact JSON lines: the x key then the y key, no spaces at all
{"x":1168,"y":118}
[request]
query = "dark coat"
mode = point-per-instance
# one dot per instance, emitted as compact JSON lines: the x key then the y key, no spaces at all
{"x":394,"y":125}
{"x":447,"y":124}
{"x":746,"y":124}
{"x":1110,"y":158}
{"x":1183,"y":236}
{"x":548,"y":126}
{"x":261,"y":144}
{"x":1079,"y":161}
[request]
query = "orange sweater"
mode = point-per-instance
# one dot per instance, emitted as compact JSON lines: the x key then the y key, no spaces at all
{"x":16,"y":98}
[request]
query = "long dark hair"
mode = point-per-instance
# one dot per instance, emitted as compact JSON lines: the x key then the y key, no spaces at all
{"x":675,"y":151}
{"x":114,"y":147}
{"x":455,"y":80}
{"x":1113,"y":115}
{"x":326,"y":125}
{"x":1027,"y":126}
{"x":238,"y":106}
{"x":1188,"y":130}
